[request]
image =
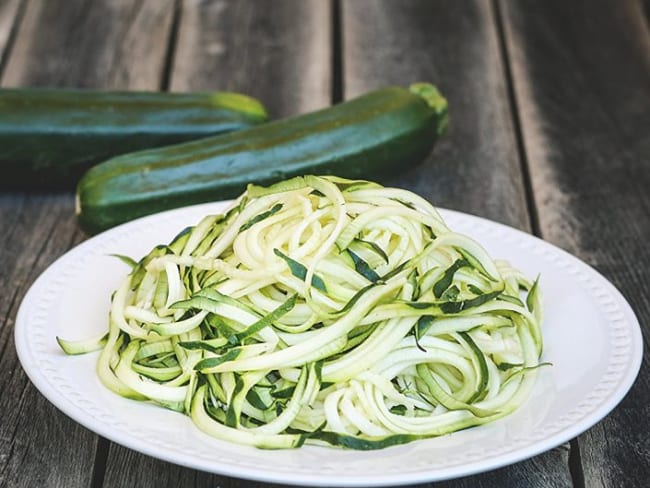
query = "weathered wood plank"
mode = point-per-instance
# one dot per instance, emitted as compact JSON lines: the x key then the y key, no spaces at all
{"x":581,"y":75}
{"x":92,"y":44}
{"x":280,"y":55}
{"x":278,"y":52}
{"x":38,"y":228}
{"x":476,"y":167}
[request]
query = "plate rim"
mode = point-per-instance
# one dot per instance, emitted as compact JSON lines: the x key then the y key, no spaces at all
{"x":60,"y":401}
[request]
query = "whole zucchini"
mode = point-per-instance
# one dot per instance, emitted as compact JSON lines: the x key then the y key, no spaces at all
{"x":49,"y":137}
{"x":373,"y":136}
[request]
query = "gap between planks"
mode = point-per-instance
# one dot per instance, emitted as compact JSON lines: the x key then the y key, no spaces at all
{"x":170,"y":55}
{"x":337,"y":53}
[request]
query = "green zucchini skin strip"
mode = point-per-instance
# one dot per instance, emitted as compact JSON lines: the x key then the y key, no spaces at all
{"x":361,"y":444}
{"x":321,"y":310}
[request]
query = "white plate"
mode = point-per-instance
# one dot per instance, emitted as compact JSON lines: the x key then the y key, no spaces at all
{"x":590,"y":333}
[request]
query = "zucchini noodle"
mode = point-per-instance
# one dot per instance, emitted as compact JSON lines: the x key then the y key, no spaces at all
{"x":324,"y":311}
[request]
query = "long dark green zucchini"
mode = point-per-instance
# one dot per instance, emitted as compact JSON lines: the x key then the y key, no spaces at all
{"x":374,"y":137}
{"x":49,"y":137}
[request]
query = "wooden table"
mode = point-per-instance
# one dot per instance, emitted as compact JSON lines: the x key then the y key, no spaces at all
{"x":550,"y":133}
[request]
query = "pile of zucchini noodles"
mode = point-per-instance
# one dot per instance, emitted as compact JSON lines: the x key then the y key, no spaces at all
{"x":326,"y":311}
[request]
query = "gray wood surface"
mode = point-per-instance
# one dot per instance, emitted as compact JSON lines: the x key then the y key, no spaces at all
{"x":581,"y":74}
{"x":39,"y":446}
{"x":476,"y":168}
{"x":91,"y":44}
{"x":454,"y":45}
{"x":36,"y":230}
{"x":278,"y":52}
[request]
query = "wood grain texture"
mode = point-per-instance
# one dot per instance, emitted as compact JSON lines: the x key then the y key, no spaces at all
{"x":476,"y":167}
{"x":581,"y":75}
{"x":36,"y":230}
{"x":276,"y":51}
{"x":91,"y":44}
